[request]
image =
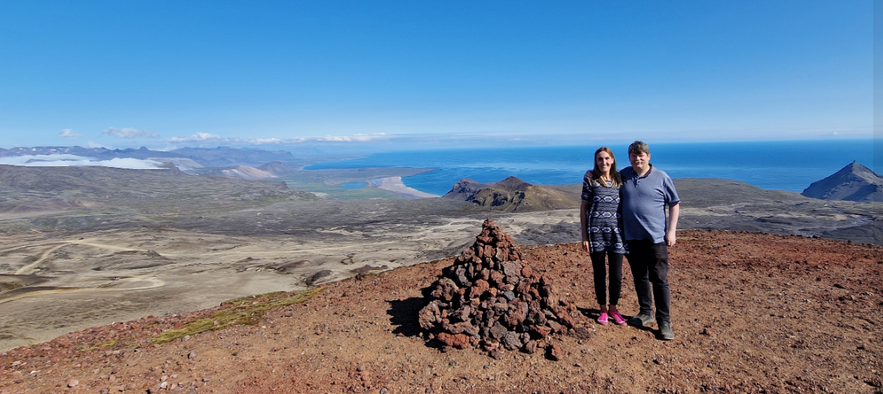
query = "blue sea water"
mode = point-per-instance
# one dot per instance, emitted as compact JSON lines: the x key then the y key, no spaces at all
{"x":779,"y":165}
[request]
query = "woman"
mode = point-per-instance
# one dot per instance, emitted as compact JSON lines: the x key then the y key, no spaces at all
{"x":601,"y":222}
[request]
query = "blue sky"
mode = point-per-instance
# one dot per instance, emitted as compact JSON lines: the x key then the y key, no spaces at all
{"x":167,"y":74}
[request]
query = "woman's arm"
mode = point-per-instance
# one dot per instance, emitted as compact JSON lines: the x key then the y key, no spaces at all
{"x":583,"y":221}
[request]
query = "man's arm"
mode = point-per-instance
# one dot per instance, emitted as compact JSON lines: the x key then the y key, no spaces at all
{"x":674,"y":211}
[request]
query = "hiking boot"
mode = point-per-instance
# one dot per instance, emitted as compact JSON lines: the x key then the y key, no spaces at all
{"x":603,"y":318}
{"x":642,"y":319}
{"x":665,"y":332}
{"x":617,"y":318}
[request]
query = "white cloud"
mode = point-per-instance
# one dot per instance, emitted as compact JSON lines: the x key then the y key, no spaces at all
{"x":135,"y":164}
{"x":129,"y":132}
{"x":334,"y":139}
{"x":68,"y":133}
{"x":92,"y":144}
{"x":198,"y":137}
{"x":66,"y":160}
{"x":262,"y":141}
{"x":352,"y":138}
{"x":208,"y":137}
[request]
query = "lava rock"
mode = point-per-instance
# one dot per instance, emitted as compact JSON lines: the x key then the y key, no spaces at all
{"x":492,"y":299}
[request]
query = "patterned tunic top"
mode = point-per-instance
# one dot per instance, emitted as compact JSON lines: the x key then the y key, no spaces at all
{"x":603,"y":218}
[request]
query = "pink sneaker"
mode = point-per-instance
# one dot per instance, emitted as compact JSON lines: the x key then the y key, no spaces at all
{"x":617,"y":318}
{"x":603,"y":318}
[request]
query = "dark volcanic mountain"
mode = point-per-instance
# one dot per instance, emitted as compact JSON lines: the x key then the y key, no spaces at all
{"x":512,"y":195}
{"x":854,"y":182}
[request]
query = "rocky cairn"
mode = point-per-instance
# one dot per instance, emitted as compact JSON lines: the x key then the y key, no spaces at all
{"x":491,"y":299}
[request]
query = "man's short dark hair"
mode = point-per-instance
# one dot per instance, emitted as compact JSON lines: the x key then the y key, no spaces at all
{"x":639,"y":147}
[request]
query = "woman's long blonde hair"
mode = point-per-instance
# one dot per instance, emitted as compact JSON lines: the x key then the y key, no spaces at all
{"x":614,"y":174}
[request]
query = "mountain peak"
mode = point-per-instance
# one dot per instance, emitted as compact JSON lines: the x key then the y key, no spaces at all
{"x":854,"y":182}
{"x":513,"y":184}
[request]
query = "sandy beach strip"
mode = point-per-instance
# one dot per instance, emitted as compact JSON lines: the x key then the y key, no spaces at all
{"x":394,"y":184}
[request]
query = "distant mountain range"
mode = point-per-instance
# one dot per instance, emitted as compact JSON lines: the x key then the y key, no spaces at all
{"x":185,"y":157}
{"x":854,"y":182}
{"x":38,"y":189}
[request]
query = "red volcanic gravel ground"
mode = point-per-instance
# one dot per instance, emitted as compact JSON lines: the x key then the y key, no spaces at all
{"x":751,"y":313}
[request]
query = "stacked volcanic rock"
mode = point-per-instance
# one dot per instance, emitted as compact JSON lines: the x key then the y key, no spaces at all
{"x":490,"y":299}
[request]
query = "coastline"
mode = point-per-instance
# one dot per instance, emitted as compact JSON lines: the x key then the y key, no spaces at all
{"x":394,"y":184}
{"x":567,"y":164}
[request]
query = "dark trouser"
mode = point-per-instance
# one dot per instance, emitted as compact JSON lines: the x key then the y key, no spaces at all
{"x":600,"y":273}
{"x":649,"y":264}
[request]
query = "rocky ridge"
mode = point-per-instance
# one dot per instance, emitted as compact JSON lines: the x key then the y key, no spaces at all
{"x":511,"y":195}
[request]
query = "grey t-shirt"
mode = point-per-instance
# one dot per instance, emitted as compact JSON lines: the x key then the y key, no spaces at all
{"x":644,"y":200}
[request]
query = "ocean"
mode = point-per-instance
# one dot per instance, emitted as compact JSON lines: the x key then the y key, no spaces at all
{"x":779,"y":165}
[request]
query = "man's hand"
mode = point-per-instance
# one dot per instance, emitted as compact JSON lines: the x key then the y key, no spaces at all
{"x":671,"y":239}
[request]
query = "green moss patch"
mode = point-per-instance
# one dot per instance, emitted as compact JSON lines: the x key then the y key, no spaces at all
{"x":246,"y":310}
{"x":101,"y":345}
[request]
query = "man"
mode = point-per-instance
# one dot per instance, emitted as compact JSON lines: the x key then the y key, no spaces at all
{"x":646,"y":192}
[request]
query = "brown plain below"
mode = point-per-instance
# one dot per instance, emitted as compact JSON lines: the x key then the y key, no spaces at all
{"x":752,"y":313}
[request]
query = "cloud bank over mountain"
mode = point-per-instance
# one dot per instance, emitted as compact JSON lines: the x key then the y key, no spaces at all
{"x":67,"y":160}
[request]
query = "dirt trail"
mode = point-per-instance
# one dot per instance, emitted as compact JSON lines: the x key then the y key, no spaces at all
{"x":121,"y":285}
{"x":32,"y":267}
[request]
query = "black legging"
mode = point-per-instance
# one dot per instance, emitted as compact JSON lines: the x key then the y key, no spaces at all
{"x":600,"y":274}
